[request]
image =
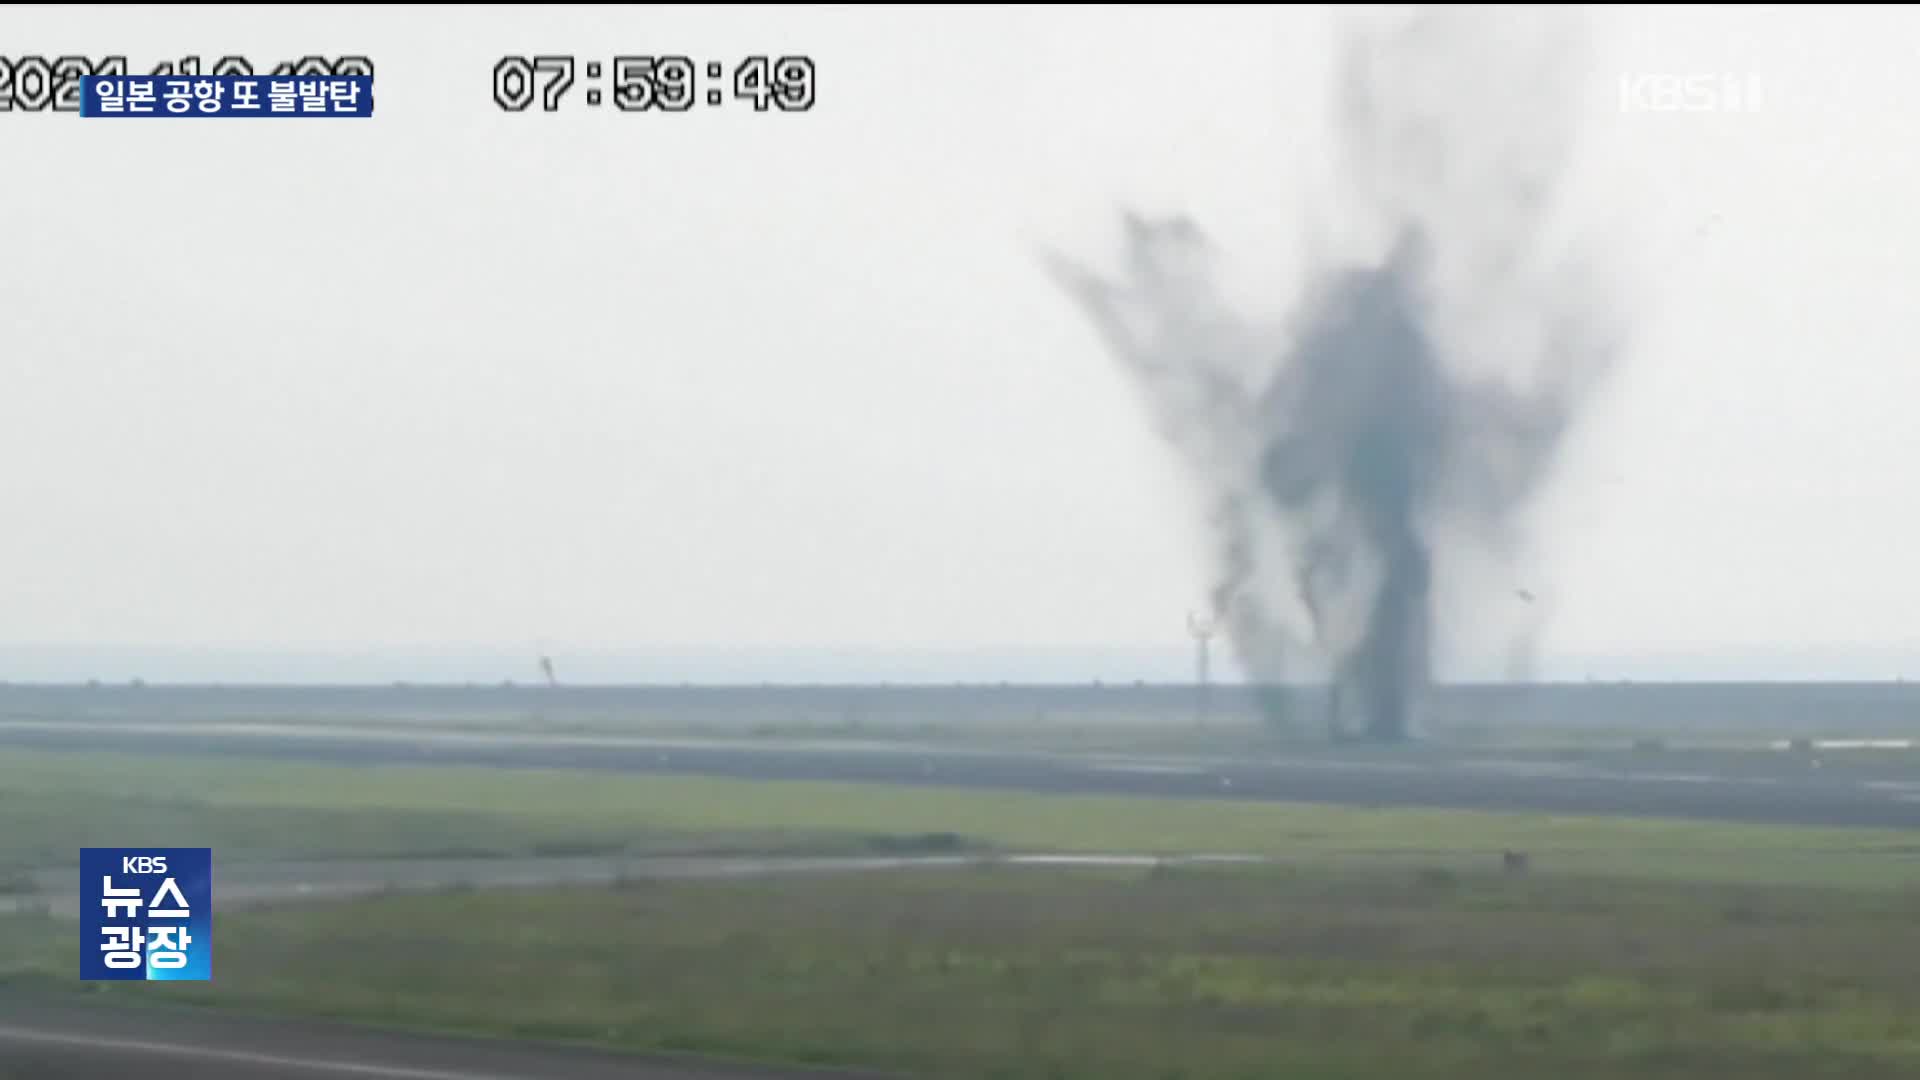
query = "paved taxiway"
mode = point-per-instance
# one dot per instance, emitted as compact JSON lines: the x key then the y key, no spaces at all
{"x":1809,"y":798}
{"x":301,"y":881}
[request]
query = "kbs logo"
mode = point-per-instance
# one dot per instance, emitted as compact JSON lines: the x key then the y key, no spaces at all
{"x":146,"y":914}
{"x":1642,"y":92}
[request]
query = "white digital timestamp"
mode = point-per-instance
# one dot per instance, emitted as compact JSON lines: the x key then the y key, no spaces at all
{"x":671,"y":84}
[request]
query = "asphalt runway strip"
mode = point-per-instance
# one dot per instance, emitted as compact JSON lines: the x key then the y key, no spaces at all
{"x":1799,"y":800}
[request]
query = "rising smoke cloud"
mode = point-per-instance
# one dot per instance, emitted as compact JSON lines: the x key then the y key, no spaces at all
{"x":1399,"y":422}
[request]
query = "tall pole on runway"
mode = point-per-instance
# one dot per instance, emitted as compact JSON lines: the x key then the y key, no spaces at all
{"x":1202,"y":630}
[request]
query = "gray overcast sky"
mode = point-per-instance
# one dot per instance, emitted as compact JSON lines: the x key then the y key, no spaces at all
{"x":457,"y":379}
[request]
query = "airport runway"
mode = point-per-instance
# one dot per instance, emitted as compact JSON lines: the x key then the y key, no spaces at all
{"x":1808,"y":797}
{"x":75,"y":1038}
{"x":87,"y":1039}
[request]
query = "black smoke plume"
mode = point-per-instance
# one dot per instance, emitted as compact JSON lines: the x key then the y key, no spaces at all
{"x":1407,"y":411}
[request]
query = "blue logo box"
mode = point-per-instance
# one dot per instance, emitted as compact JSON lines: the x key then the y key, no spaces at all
{"x":146,"y":914}
{"x":181,"y":97}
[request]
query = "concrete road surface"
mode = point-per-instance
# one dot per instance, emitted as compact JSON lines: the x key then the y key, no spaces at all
{"x":85,"y":1039}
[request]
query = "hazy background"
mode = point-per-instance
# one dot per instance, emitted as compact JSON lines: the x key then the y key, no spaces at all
{"x":726,"y":395}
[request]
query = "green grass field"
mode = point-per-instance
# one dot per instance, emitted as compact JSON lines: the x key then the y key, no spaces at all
{"x":997,"y":972}
{"x":1386,"y":942}
{"x":53,"y":803}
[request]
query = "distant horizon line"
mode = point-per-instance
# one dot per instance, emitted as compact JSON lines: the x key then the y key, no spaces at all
{"x":984,"y":665}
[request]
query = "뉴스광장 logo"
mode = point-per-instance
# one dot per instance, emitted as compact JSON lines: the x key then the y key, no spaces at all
{"x":146,"y":914}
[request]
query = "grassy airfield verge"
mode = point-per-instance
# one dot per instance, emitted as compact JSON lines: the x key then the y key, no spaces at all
{"x":1309,"y":971}
{"x":1386,"y":942}
{"x":55,"y":802}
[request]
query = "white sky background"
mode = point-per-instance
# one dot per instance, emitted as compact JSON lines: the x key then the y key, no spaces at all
{"x":455,"y":379}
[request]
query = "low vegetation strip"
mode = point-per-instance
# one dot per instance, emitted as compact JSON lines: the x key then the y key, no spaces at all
{"x":56,"y":802}
{"x":1158,"y":974}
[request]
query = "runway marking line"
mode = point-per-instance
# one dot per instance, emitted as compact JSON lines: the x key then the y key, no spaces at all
{"x":242,"y":1057}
